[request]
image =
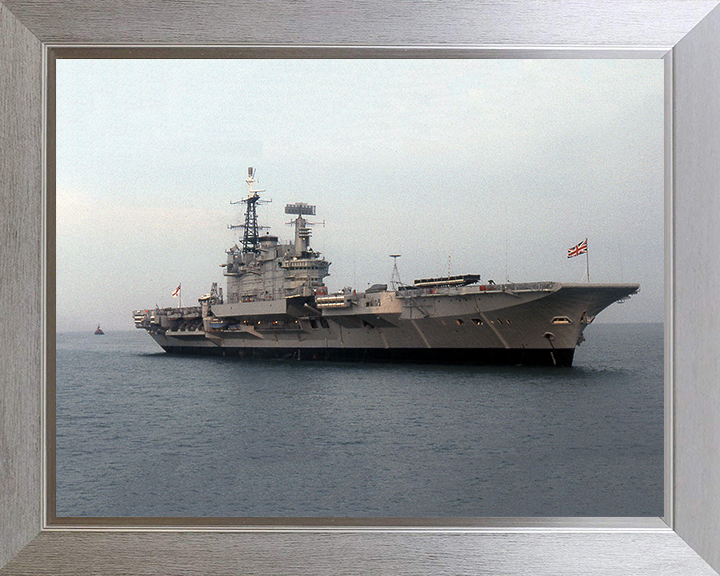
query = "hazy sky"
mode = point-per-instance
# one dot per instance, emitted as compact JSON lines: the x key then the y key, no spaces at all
{"x":494,"y":167}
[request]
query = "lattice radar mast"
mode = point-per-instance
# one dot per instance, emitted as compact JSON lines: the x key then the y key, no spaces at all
{"x":251,"y":230}
{"x":395,"y":277}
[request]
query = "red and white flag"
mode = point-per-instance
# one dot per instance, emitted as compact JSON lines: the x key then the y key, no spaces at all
{"x":177,"y":291}
{"x":579,"y":249}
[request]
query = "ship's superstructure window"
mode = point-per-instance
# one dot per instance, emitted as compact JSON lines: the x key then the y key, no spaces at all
{"x":460,"y":322}
{"x":477,"y":321}
{"x":561,"y":320}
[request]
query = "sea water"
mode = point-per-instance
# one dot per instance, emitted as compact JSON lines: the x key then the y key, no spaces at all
{"x":143,"y":433}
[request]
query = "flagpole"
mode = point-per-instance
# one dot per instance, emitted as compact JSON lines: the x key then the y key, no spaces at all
{"x":587,"y":260}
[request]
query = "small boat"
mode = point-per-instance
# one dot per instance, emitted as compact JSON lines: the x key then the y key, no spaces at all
{"x":99,"y":331}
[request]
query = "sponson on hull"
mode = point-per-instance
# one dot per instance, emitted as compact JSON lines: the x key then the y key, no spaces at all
{"x":276,"y":305}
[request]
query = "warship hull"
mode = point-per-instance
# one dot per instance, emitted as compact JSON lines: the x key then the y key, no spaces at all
{"x":529,"y":324}
{"x":277,"y":306}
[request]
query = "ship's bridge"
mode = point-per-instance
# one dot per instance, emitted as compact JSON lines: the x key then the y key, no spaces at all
{"x":264,"y":269}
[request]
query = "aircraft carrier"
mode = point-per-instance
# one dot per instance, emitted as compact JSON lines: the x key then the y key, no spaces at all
{"x":276,"y":305}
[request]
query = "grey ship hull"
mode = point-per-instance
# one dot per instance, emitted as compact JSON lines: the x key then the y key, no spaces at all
{"x":540,"y":323}
{"x":277,"y":306}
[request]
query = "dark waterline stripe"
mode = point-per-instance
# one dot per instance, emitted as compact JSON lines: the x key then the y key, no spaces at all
{"x":486,"y":356}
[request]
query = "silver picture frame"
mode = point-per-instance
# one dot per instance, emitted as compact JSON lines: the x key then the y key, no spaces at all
{"x":685,"y":541}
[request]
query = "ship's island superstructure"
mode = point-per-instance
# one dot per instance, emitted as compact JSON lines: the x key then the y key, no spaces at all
{"x":276,"y":305}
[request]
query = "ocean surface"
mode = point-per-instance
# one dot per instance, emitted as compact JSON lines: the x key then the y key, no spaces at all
{"x":142,"y":433}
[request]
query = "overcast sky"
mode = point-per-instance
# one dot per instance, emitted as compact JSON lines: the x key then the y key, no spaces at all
{"x":494,"y":167}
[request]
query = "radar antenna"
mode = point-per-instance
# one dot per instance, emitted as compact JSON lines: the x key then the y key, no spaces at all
{"x":251,"y":230}
{"x":302,"y":226}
